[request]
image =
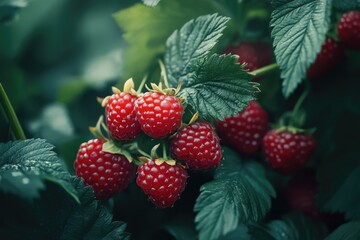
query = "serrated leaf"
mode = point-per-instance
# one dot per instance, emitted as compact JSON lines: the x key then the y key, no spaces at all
{"x":338,"y":185}
{"x":226,"y":202}
{"x":299,"y":28}
{"x":35,"y":157}
{"x":296,"y":226}
{"x":9,"y":9}
{"x":220,"y":87}
{"x":346,"y":5}
{"x":190,"y":44}
{"x":347,"y":231}
{"x":26,"y":186}
{"x":154,"y":25}
{"x":90,"y":219}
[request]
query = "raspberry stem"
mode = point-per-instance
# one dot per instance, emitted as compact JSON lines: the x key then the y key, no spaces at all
{"x":265,"y":70}
{"x":16,"y":128}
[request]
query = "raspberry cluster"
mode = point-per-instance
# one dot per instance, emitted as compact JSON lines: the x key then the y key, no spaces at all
{"x":157,"y":113}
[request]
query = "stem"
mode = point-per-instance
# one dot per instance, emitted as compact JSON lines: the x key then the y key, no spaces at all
{"x":264,"y":70}
{"x":142,"y":84}
{"x":164,"y":151}
{"x":11,"y":115}
{"x":299,"y":102}
{"x":163,"y":74}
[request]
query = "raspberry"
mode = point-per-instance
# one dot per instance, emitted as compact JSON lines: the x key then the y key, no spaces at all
{"x":158,"y":114}
{"x":121,"y":116}
{"x":197,"y":145}
{"x":349,"y":30}
{"x":286,"y":151}
{"x":162,"y":183}
{"x":254,"y":54}
{"x":244,"y":131}
{"x":330,"y":55}
{"x":107,"y":173}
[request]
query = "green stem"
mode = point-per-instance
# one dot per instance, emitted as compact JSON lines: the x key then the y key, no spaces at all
{"x":142,"y":84}
{"x":299,"y":102}
{"x":264,"y":70}
{"x":164,"y":151}
{"x":163,"y":74}
{"x":11,"y":115}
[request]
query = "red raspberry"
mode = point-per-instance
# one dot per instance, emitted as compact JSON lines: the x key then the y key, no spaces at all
{"x":107,"y":173}
{"x":301,"y":193}
{"x":330,"y":55}
{"x":349,"y":30}
{"x":198,"y":146}
{"x":121,"y":116}
{"x":158,"y":114}
{"x":244,"y":131}
{"x":254,"y":54}
{"x":286,"y":151}
{"x":162,"y":183}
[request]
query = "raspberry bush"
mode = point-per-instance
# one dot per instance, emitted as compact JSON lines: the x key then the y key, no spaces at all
{"x":231,"y":120}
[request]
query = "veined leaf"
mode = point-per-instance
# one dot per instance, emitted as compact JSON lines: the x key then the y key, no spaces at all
{"x":90,"y":219}
{"x":299,"y":28}
{"x":26,"y":186}
{"x":338,"y":186}
{"x":228,"y":201}
{"x":190,"y":44}
{"x":35,"y":157}
{"x":347,"y":231}
{"x":219,"y":87}
{"x":296,"y":226}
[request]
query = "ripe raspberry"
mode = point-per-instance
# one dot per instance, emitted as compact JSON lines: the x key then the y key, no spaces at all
{"x":286,"y":151}
{"x":121,"y":116}
{"x":330,"y":55}
{"x":254,"y":54}
{"x":244,"y":131}
{"x":107,"y":173}
{"x":162,"y":183}
{"x":301,"y":195}
{"x":158,"y":114}
{"x":198,"y":146}
{"x":301,"y":192}
{"x":349,"y":30}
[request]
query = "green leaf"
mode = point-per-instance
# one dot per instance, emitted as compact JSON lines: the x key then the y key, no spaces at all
{"x":35,"y":157}
{"x":10,"y":8}
{"x":181,"y":230}
{"x":346,"y":5}
{"x":249,"y":232}
{"x":220,"y":87}
{"x":233,"y":199}
{"x":111,"y":147}
{"x":154,"y":25}
{"x":190,"y":44}
{"x":299,"y":28}
{"x":26,"y":186}
{"x":90,"y":220}
{"x":338,"y":185}
{"x":347,"y":231}
{"x":296,"y":226}
{"x":57,"y":216}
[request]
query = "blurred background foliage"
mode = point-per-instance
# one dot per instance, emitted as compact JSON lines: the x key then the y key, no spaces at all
{"x":56,"y":57}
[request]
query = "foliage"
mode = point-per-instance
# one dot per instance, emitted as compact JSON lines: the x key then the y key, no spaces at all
{"x":26,"y":162}
{"x":299,"y":29}
{"x":238,"y":194}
